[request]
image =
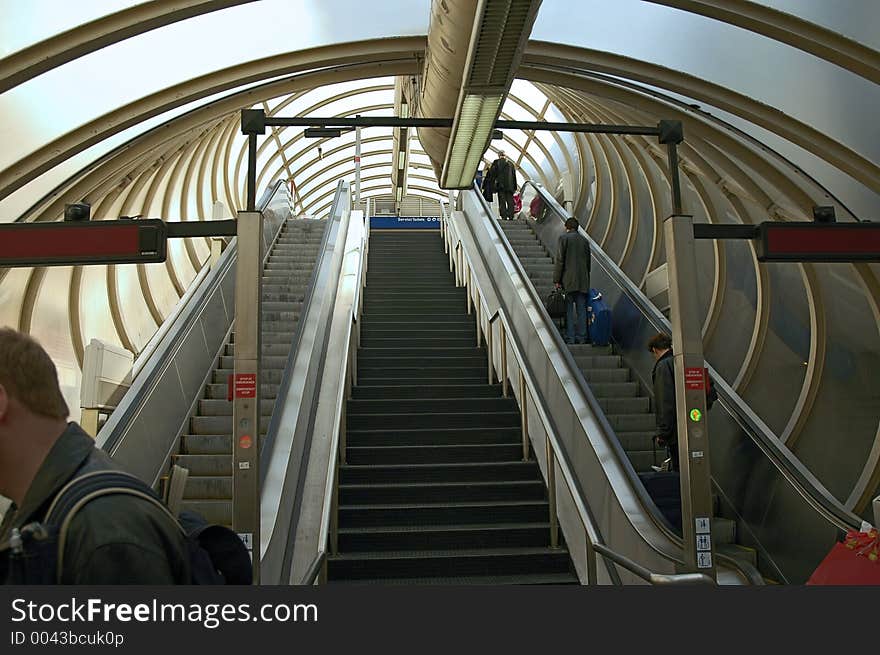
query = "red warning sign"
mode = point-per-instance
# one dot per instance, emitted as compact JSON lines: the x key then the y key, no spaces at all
{"x":245,"y":385}
{"x":245,"y":441}
{"x":694,"y":380}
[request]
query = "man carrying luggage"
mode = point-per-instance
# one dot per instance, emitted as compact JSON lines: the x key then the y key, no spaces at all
{"x":572,"y":275}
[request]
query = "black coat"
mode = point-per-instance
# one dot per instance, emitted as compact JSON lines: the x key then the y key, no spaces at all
{"x":663,"y":377}
{"x":572,"y":269}
{"x":114,"y":539}
{"x":503,"y":175}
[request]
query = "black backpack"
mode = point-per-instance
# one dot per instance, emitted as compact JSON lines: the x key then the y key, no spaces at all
{"x":35,"y":555}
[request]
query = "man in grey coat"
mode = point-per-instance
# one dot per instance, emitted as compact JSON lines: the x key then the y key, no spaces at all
{"x":572,"y":275}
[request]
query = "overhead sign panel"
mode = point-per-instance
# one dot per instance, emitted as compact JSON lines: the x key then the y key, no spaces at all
{"x":818,"y":242}
{"x":96,"y":242}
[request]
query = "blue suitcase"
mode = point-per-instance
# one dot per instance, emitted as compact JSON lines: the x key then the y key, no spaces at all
{"x":599,"y":319}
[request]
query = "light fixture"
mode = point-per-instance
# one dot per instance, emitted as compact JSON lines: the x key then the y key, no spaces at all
{"x":399,"y":193}
{"x":401,"y":160}
{"x":468,"y":142}
{"x":319,"y":132}
{"x":500,"y":33}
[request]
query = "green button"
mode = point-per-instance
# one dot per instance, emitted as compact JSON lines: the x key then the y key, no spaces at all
{"x":696,"y":415}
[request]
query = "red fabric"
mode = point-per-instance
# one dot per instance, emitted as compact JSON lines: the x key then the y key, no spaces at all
{"x":854,"y":562}
{"x":535,"y":206}
{"x":517,"y":203}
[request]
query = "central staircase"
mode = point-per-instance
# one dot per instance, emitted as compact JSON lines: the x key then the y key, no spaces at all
{"x":434,"y":489}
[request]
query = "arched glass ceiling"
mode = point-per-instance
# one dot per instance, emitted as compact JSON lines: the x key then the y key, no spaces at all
{"x":814,"y":91}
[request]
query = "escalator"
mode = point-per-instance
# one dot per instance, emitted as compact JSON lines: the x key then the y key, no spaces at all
{"x":178,"y":411}
{"x":625,"y":401}
{"x":206,"y":448}
{"x":775,"y":515}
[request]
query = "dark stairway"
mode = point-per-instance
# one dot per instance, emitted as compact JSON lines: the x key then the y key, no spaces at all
{"x":206,"y":449}
{"x":625,"y":403}
{"x":434,"y":490}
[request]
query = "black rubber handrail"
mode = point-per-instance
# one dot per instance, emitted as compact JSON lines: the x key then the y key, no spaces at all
{"x":280,"y":398}
{"x":164,"y":351}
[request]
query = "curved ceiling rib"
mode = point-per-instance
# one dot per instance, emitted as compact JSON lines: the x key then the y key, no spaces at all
{"x":571,"y":59}
{"x":789,"y":29}
{"x":59,"y":49}
{"x":375,"y":51}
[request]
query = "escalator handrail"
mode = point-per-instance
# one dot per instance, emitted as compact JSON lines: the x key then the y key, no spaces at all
{"x":650,"y":576}
{"x":144,"y":355}
{"x":287,"y":375}
{"x":792,"y":469}
{"x":181,"y":321}
{"x":331,"y":481}
{"x":647,"y":504}
{"x":576,"y":375}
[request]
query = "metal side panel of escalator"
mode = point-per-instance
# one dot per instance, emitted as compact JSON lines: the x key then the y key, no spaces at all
{"x":617,"y":378}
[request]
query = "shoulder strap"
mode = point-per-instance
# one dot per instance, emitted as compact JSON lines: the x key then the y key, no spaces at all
{"x":83,"y":489}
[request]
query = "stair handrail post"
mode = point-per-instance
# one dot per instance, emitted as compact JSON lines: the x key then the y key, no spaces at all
{"x":590,"y":557}
{"x":524,"y":415}
{"x":489,"y":348}
{"x":551,"y":492}
{"x":479,"y":324}
{"x":246,"y":385}
{"x":503,"y":348}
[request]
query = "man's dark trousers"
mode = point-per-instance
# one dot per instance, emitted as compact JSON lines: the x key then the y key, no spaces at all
{"x":576,"y":317}
{"x":505,"y":204}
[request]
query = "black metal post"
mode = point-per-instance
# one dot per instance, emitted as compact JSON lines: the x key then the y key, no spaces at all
{"x":674,"y":179}
{"x":252,"y":173}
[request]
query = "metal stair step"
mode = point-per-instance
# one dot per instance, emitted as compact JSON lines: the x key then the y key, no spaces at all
{"x":445,"y":513}
{"x":420,"y":391}
{"x":350,"y":494}
{"x":437,"y":420}
{"x":489,"y":561}
{"x":385,"y":436}
{"x":428,"y":473}
{"x":393,"y":406}
{"x":208,"y":488}
{"x":433,"y":537}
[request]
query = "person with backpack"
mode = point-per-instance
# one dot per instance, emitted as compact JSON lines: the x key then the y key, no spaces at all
{"x":116,"y":538}
{"x":663,"y":377}
{"x":502,"y":174}
{"x":572,"y":274}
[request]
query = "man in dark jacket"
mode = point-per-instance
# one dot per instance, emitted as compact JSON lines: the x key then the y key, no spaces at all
{"x":572,"y":275}
{"x":114,"y":539}
{"x":663,"y":377}
{"x":502,"y":174}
